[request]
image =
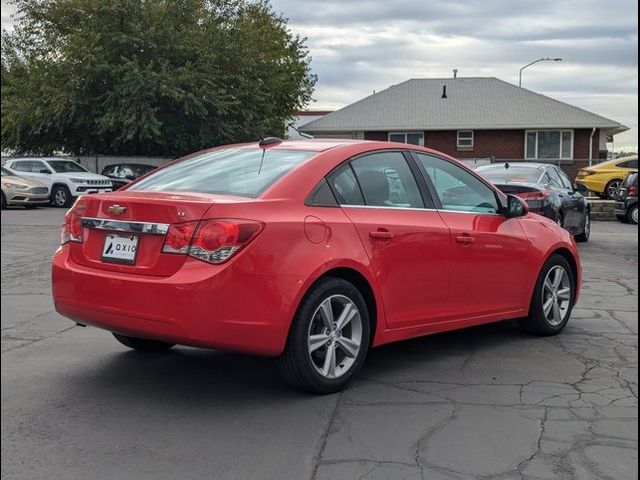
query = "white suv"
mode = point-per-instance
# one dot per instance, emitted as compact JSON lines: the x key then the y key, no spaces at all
{"x":66,"y":179}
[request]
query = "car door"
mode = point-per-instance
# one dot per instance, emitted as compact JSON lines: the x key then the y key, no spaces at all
{"x":38,"y":172}
{"x":489,"y":251}
{"x":573,"y":205}
{"x":406,"y":240}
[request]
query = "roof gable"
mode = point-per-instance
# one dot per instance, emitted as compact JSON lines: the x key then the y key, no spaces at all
{"x":475,"y":103}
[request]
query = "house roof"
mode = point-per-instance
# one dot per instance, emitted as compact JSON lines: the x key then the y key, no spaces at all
{"x":471,"y":103}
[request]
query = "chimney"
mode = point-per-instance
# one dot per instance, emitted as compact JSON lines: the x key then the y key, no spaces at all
{"x":444,"y":91}
{"x":455,"y":73}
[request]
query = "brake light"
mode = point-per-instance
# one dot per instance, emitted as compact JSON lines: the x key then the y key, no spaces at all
{"x":536,"y":200}
{"x":633,"y":191}
{"x":179,"y":237}
{"x":213,"y":241}
{"x":585,"y":173}
{"x":72,"y":227}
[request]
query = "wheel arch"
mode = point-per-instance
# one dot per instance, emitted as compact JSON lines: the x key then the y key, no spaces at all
{"x":361,"y":282}
{"x":569,"y":257}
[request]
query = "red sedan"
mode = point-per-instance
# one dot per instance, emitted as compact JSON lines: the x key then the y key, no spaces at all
{"x":311,"y":251}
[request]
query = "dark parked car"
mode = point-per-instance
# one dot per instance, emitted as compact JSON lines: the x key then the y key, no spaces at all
{"x":122,"y":174}
{"x":627,"y":201}
{"x":547,"y":190}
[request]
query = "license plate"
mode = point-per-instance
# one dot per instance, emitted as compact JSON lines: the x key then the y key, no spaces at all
{"x":120,"y":249}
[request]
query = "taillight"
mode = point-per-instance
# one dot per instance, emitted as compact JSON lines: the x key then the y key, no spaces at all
{"x":585,"y":173}
{"x":72,"y":227}
{"x":213,"y":241}
{"x":633,"y":191}
{"x":179,"y":237}
{"x":536,"y":200}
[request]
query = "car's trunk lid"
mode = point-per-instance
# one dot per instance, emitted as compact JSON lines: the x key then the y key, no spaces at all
{"x":143,"y":218}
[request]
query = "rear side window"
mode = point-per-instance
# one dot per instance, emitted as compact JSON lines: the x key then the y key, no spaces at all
{"x":322,"y":196}
{"x":387,"y":181}
{"x":22,"y":166}
{"x":629,"y":164}
{"x":343,"y":182}
{"x":234,"y":171}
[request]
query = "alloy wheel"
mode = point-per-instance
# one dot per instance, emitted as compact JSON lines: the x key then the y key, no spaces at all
{"x":60,"y":197}
{"x":587,"y":225}
{"x":335,"y":336}
{"x":556,"y":295}
{"x":612,"y":190}
{"x":634,"y":215}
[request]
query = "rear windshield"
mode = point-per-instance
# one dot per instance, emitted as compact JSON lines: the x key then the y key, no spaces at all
{"x":499,"y":175}
{"x":234,"y":171}
{"x":66,"y":166}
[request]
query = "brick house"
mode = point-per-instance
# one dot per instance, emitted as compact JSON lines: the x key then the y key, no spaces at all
{"x":473,"y":118}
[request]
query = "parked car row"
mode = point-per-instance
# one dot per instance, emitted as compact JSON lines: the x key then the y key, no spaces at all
{"x":33,"y":182}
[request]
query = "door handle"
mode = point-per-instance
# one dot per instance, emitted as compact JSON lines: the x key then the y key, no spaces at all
{"x":381,"y":234}
{"x":466,"y":239}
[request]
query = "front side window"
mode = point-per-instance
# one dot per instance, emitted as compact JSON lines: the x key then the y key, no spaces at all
{"x":387,"y":181}
{"x":66,"y":166}
{"x":458,"y":189}
{"x":38,"y":167}
{"x":231,"y":171}
{"x":549,"y":144}
{"x":553,"y":178}
{"x":413,"y":138}
{"x":465,"y":139}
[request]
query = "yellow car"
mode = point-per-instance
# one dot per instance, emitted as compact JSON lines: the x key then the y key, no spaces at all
{"x":606,"y":178}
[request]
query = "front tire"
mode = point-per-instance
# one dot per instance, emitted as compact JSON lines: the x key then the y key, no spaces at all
{"x":553,"y":299}
{"x":61,"y":197}
{"x":632,"y":216}
{"x":586,"y":233}
{"x":143,"y":344}
{"x":329,"y":338}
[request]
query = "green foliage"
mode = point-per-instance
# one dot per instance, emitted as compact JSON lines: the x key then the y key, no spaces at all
{"x":153,"y":77}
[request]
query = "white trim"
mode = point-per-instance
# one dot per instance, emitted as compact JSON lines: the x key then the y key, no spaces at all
{"x":421,"y":144}
{"x":560,"y":156}
{"x":465,"y":147}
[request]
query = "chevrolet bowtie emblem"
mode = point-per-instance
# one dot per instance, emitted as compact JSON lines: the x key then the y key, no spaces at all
{"x":116,"y":210}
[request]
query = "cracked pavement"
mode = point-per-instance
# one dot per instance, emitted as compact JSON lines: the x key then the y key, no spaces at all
{"x":484,"y":403}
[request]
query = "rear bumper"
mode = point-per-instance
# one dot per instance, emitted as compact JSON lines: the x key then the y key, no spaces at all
{"x":201,"y":305}
{"x":593,"y":185}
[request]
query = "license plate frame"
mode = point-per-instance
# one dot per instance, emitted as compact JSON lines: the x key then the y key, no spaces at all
{"x":118,"y":249}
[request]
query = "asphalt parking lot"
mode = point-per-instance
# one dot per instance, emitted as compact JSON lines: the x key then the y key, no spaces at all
{"x":489,"y":402}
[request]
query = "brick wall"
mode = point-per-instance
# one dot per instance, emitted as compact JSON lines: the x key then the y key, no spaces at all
{"x":501,"y":144}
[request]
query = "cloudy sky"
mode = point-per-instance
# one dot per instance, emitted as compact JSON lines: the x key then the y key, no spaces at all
{"x":363,"y":45}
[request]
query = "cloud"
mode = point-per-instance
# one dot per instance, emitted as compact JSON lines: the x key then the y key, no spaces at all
{"x":359,"y":46}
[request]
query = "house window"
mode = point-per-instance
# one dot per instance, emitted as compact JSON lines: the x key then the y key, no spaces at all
{"x":414,"y":138}
{"x":548,"y":144}
{"x":465,"y":139}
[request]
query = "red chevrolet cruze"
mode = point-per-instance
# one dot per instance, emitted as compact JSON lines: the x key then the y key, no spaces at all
{"x":311,"y":251}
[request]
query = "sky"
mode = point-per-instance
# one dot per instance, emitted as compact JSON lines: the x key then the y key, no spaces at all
{"x":361,"y":46}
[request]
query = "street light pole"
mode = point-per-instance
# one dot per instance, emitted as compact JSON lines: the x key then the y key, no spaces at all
{"x":546,"y":59}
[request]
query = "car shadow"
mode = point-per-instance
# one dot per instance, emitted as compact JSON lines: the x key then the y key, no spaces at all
{"x":206,"y":378}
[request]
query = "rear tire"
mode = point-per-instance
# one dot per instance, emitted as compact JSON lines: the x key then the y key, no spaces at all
{"x":553,"y":299}
{"x":3,"y":202}
{"x":611,"y":189}
{"x":61,"y":197}
{"x":586,"y":233}
{"x":325,"y":350}
{"x":143,"y":344}
{"x":632,"y":216}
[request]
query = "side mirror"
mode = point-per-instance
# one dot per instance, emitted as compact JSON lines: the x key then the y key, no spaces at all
{"x":516,"y":207}
{"x":45,"y":170}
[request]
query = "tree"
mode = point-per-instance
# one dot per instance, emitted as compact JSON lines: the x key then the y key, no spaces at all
{"x":153,"y":77}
